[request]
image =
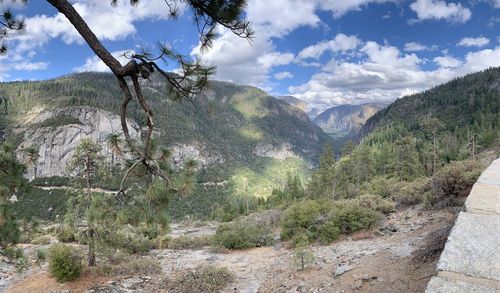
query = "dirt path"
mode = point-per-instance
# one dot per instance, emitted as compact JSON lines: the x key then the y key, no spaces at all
{"x":378,"y":262}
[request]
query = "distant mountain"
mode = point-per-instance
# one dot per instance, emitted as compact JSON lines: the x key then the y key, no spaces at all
{"x":312,"y":113}
{"x":345,"y":121}
{"x":302,"y":105}
{"x":244,"y":140}
{"x":298,"y":103}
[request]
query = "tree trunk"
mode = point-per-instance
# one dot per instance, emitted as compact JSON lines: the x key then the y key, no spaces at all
{"x":91,"y":256}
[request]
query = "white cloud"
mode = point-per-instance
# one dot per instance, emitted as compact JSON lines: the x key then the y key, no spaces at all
{"x":283,"y":75}
{"x":96,"y":64}
{"x":474,"y":42}
{"x":238,"y":61}
{"x":384,"y":74}
{"x":415,"y":47}
{"x":341,"y":7}
{"x":341,"y":42}
{"x":447,"y":62}
{"x":108,"y":23}
{"x":440,"y":10}
{"x":475,"y":61}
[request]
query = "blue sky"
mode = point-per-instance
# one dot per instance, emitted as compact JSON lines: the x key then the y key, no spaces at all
{"x":326,"y":52}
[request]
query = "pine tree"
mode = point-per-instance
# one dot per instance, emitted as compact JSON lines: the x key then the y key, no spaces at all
{"x":11,"y":182}
{"x":405,"y":164}
{"x":323,"y":182}
{"x":85,"y":166}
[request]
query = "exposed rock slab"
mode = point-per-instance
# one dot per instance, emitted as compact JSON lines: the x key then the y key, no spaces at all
{"x":56,"y":144}
{"x":472,"y":248}
{"x":443,"y":285}
{"x":470,"y":261}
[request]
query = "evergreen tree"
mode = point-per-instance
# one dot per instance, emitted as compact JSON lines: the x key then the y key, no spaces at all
{"x":85,"y":166}
{"x":323,"y":181}
{"x":11,"y":182}
{"x":405,"y":164}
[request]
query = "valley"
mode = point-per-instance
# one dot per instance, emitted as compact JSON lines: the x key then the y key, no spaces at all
{"x":249,"y":146}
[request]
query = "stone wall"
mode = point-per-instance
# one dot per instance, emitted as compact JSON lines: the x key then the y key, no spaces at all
{"x":470,"y":261}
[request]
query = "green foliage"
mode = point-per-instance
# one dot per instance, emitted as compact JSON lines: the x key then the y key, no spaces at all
{"x":323,"y":179}
{"x":243,"y":234}
{"x":377,"y":203}
{"x":41,"y":256}
{"x":56,"y":121}
{"x":209,"y":279}
{"x":129,"y":265}
{"x":452,"y":183}
{"x":41,"y":204}
{"x":42,"y":240}
{"x":324,"y":220}
{"x":350,"y":216}
{"x":65,"y":262}
{"x":302,"y":254}
{"x":410,"y":193}
{"x":292,"y":191}
{"x":11,"y":181}
{"x":50,"y":181}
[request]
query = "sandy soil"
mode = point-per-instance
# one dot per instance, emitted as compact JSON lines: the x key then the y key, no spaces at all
{"x":380,"y":261}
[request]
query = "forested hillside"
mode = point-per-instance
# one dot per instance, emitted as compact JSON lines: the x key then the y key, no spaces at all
{"x":247,"y":140}
{"x":460,"y":113}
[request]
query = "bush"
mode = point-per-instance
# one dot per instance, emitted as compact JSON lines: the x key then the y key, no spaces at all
{"x":411,"y":193}
{"x":65,"y":262}
{"x":305,"y":217}
{"x":350,"y":216}
{"x":207,"y":279}
{"x":452,"y":183}
{"x":380,"y":186}
{"x":67,"y":235}
{"x":42,"y":240}
{"x":185,"y":242}
{"x":130,"y":265}
{"x":324,"y":221}
{"x":243,"y":234}
{"x":377,"y":203}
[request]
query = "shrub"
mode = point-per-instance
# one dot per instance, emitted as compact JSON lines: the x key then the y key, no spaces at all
{"x":377,"y":203}
{"x":185,"y":242}
{"x":130,"y":265}
{"x":453,"y":182}
{"x":65,"y":262}
{"x":66,"y":235}
{"x":302,"y":255}
{"x":243,"y":234}
{"x":41,"y":256}
{"x":42,"y":240}
{"x":321,"y":220}
{"x":207,"y":279}
{"x":411,"y":193}
{"x":350,"y":216}
{"x":380,"y":186}
{"x":304,"y":217}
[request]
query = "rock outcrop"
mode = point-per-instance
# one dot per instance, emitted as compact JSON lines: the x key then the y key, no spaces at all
{"x":56,"y":144}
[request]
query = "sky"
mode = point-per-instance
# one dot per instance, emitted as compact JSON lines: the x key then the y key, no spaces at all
{"x":325,"y":52}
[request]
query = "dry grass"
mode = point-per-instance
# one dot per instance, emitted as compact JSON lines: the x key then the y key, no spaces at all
{"x":362,"y":235}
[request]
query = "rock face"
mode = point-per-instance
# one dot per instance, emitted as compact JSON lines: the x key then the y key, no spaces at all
{"x":56,"y":144}
{"x":180,"y":153}
{"x":280,"y":153}
{"x":346,"y":120}
{"x":470,"y":261}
